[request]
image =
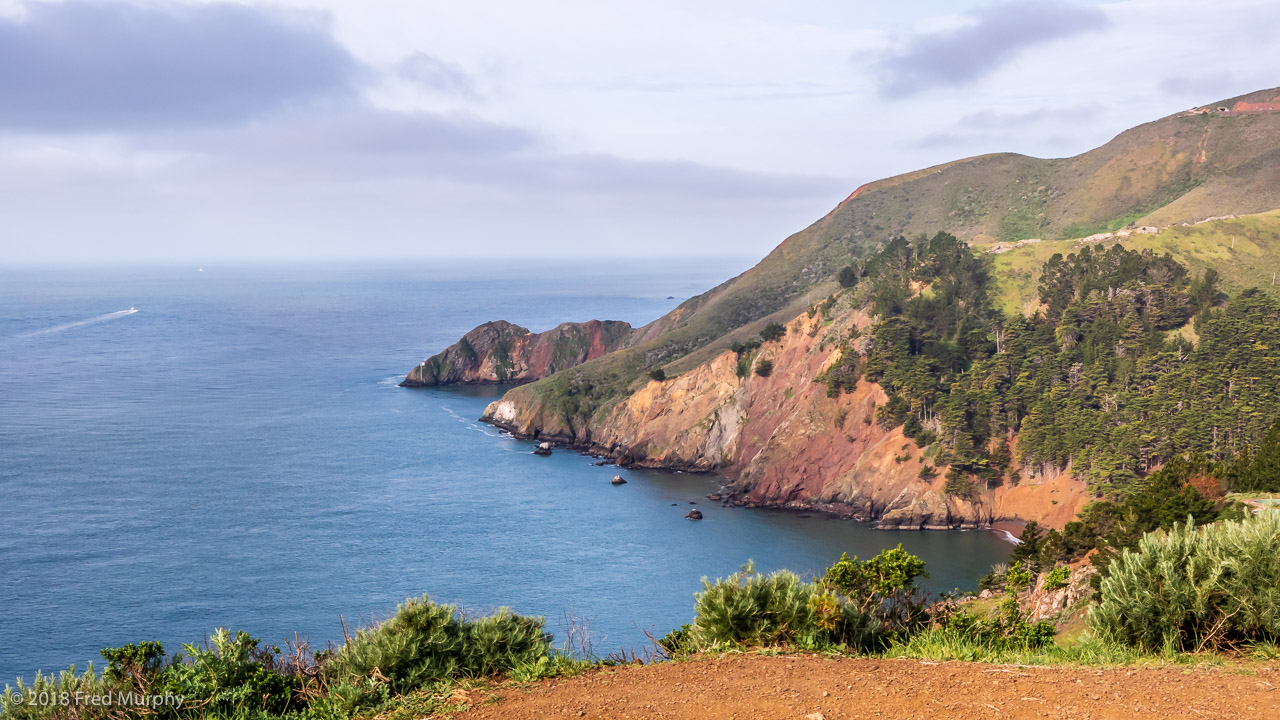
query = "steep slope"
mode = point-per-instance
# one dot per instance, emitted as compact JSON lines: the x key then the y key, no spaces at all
{"x":781,"y":440}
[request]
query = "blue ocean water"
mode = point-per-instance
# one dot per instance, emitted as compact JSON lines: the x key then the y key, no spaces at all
{"x":236,"y":453}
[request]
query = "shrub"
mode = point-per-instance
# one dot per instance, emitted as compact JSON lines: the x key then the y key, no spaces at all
{"x":143,"y":659}
{"x":848,"y":276}
{"x":65,"y":684}
{"x":658,"y":374}
{"x":773,"y":331}
{"x":749,"y":609}
{"x":882,"y":587}
{"x":231,"y":675}
{"x":1058,"y":578}
{"x":678,"y":642}
{"x":764,"y":368}
{"x":1007,"y":630}
{"x":424,"y":642}
{"x":1017,"y":578}
{"x":994,"y":580}
{"x":1194,"y":589}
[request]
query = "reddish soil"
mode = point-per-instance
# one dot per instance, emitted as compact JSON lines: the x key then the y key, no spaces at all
{"x":1248,"y":107}
{"x":751,"y":687}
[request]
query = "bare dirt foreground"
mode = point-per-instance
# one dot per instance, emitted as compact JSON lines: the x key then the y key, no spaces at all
{"x":751,"y":687}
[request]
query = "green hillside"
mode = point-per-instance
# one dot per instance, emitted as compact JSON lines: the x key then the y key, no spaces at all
{"x":1244,"y":250}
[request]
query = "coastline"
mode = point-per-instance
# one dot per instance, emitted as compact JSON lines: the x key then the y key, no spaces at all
{"x":1007,"y":530}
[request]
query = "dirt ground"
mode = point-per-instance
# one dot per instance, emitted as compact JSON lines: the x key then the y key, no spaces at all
{"x":753,"y":687}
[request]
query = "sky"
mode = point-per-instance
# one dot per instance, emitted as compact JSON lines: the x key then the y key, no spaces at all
{"x":213,"y":131}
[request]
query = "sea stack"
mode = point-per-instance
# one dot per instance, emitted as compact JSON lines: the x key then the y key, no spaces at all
{"x":617,"y":480}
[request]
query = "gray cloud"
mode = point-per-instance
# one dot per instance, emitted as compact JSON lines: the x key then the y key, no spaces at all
{"x":365,"y":144}
{"x":91,"y":65}
{"x":435,"y":75}
{"x":996,"y":35}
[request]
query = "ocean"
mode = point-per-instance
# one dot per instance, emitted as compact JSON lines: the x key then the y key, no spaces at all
{"x":234,"y":452}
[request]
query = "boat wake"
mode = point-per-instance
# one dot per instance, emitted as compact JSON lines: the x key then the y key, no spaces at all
{"x":77,"y":324}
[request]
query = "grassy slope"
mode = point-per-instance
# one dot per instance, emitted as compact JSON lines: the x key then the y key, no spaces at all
{"x":1180,"y":168}
{"x":1245,"y":250}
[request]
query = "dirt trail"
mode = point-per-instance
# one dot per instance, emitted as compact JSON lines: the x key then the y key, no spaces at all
{"x":751,"y":687}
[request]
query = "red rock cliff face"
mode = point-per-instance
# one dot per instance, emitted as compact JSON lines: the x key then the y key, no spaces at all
{"x":781,"y":441}
{"x":500,"y":352}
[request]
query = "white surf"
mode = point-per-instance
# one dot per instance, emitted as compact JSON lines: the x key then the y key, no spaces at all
{"x":79,"y":323}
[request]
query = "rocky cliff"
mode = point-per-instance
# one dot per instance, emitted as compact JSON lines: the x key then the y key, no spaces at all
{"x":780,"y":440}
{"x":500,"y":352}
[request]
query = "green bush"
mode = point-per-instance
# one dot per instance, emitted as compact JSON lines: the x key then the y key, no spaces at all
{"x":751,"y":609}
{"x":883,"y":587}
{"x":1058,"y":578}
{"x":995,"y":579}
{"x":658,"y":374}
{"x":773,"y":331}
{"x":861,"y":605}
{"x":1007,"y":630}
{"x":764,"y":368}
{"x":1017,"y":578}
{"x":424,"y":642}
{"x":231,"y":676}
{"x":747,"y":609}
{"x":1195,"y":588}
{"x":678,"y":642}
{"x":67,"y":684}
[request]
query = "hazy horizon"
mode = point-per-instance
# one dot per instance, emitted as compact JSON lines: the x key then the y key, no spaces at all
{"x":186,"y":131}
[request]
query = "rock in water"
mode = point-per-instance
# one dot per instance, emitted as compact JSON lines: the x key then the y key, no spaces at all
{"x":694,"y":515}
{"x":713,"y":496}
{"x":542,"y":449}
{"x":617,"y":480}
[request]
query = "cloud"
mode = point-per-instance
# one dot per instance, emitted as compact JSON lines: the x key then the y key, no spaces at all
{"x":435,"y":75}
{"x":992,"y":37}
{"x":992,"y":128}
{"x":104,"y":66}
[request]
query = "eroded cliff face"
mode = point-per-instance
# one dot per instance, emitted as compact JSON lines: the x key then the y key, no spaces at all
{"x":782,"y":441}
{"x":500,"y":352}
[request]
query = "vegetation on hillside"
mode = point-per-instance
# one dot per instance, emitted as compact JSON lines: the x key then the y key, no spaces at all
{"x":1098,"y":382}
{"x":406,"y":666}
{"x":1195,"y":588}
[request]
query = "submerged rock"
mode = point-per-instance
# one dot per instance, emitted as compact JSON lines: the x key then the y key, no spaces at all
{"x":713,"y":496}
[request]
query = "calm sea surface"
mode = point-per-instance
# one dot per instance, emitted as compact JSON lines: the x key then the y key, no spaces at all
{"x":236,"y":453}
